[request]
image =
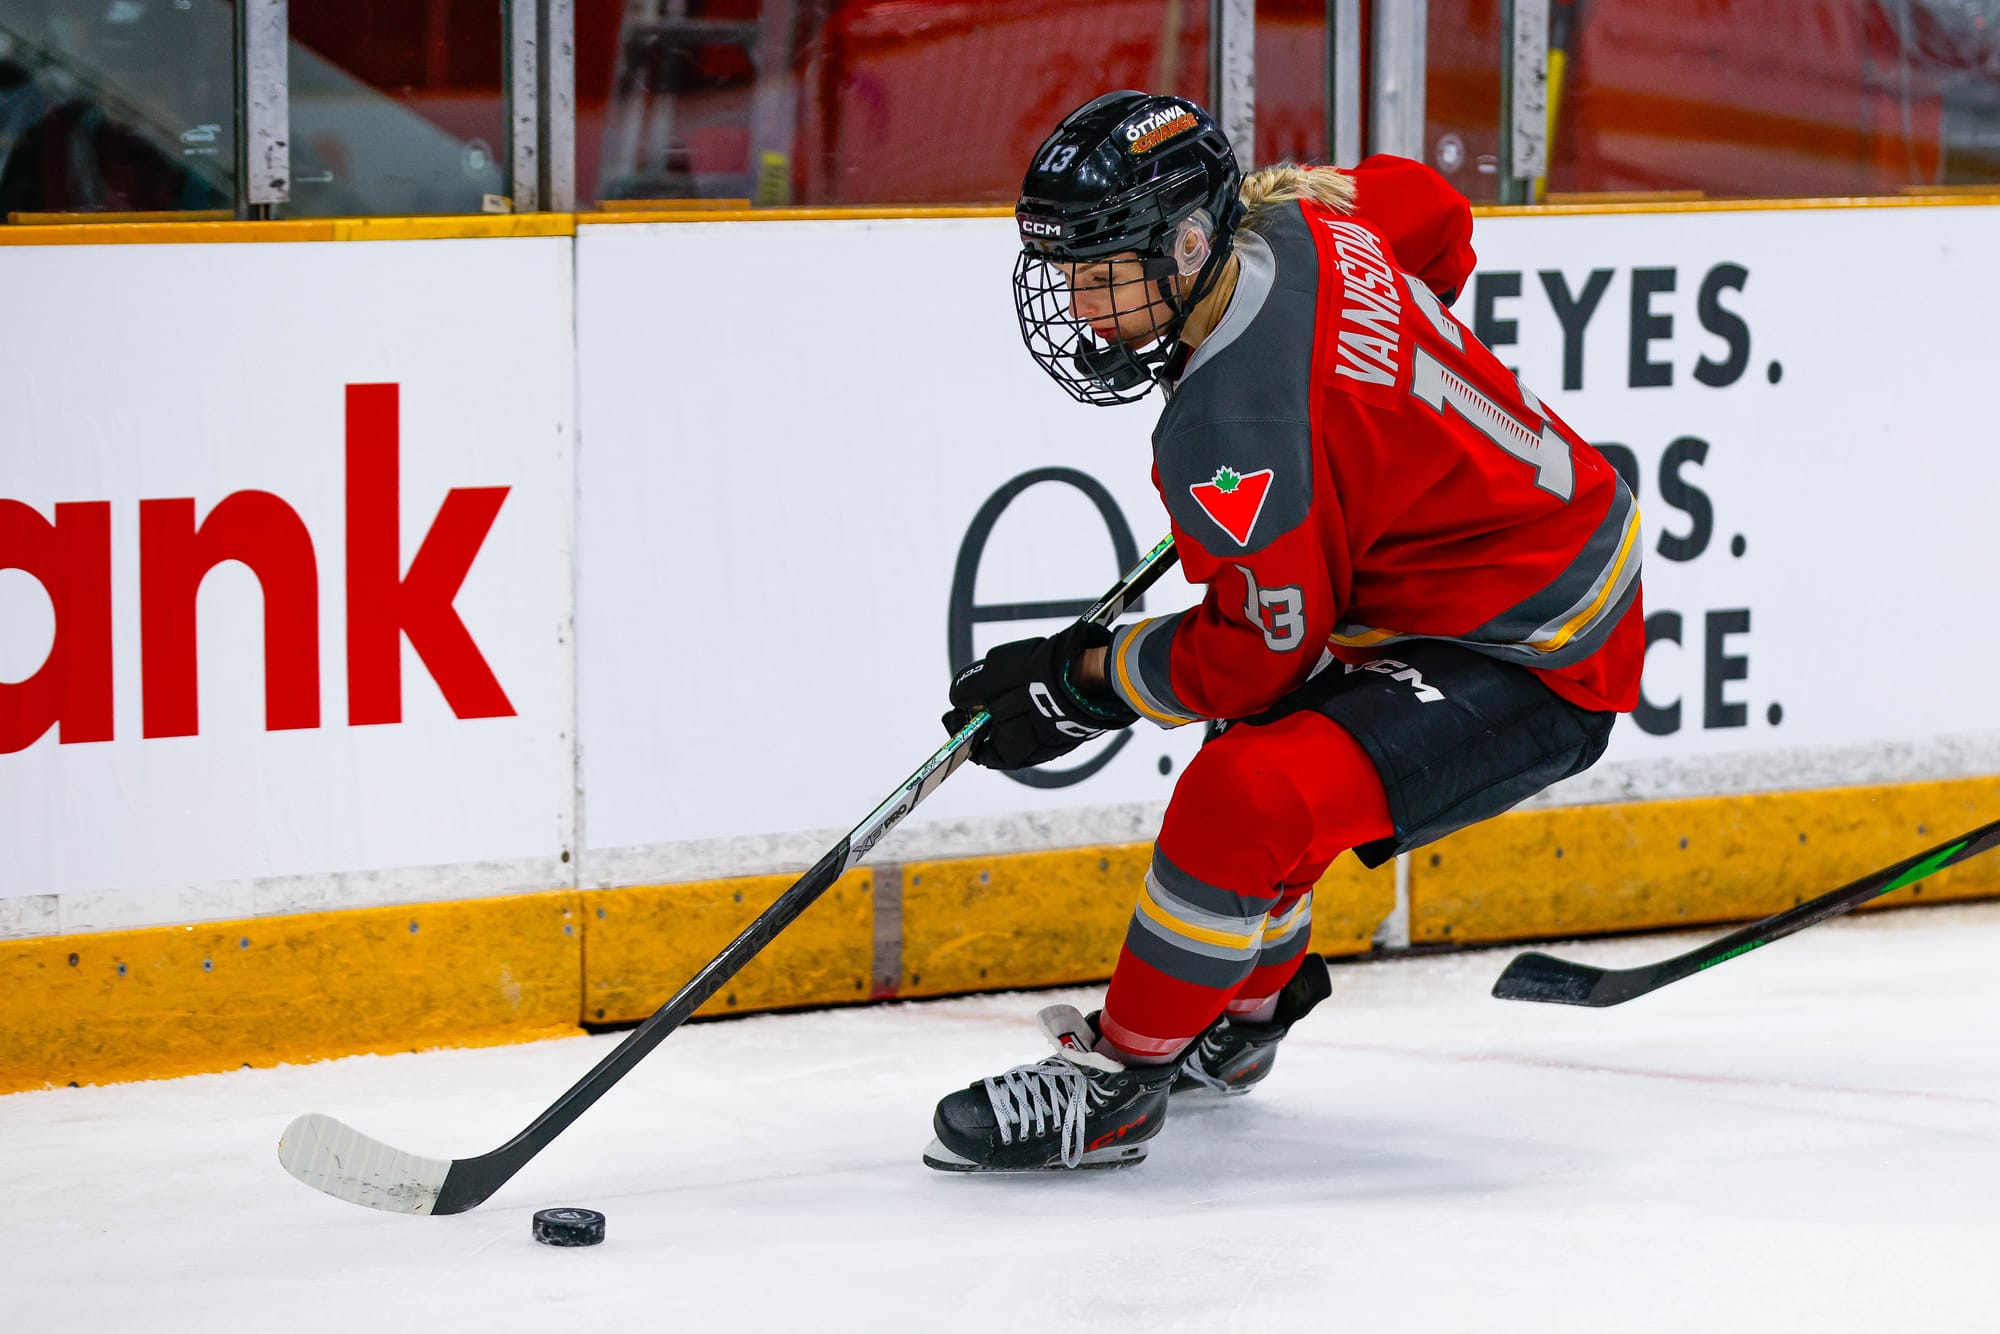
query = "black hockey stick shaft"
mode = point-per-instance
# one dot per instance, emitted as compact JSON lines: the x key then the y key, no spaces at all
{"x":470,"y":1181}
{"x":1542,"y":977}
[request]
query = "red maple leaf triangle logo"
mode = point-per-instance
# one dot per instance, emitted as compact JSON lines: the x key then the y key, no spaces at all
{"x":1234,"y":500}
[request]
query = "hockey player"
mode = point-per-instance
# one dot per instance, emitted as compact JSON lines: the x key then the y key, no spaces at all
{"x":1422,"y":599}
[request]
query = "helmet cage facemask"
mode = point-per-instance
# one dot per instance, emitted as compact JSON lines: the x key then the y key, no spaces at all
{"x":1090,"y":369}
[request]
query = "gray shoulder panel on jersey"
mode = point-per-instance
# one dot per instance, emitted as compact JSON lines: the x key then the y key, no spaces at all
{"x":1234,"y":444}
{"x":1256,"y":270}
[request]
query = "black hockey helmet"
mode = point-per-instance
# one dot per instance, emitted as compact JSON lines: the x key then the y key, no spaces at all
{"x":1127,"y":172}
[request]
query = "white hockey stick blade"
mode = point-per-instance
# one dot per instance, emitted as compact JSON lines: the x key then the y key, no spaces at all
{"x":339,"y":1160}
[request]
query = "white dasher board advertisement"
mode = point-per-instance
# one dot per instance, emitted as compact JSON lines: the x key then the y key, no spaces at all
{"x":820,"y":470}
{"x":286,"y":578}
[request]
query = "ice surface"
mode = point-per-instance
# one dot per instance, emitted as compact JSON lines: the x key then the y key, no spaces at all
{"x":1807,"y":1139}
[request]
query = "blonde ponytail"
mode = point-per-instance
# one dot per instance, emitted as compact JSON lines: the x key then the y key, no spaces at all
{"x":1267,"y":187}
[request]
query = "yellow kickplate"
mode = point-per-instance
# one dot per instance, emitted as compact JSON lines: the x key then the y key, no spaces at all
{"x":1349,"y":902}
{"x":1589,"y":869}
{"x":1043,"y":919}
{"x":644,"y":943}
{"x":182,"y":1000}
{"x":1035,"y":919}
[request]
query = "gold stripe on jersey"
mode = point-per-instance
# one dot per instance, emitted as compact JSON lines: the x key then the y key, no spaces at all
{"x":1563,"y":622}
{"x":1360,"y":636}
{"x":1596,"y":609}
{"x":1153,"y":700}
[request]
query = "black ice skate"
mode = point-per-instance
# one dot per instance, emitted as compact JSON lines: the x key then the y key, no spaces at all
{"x":1233,"y":1056}
{"x":1074,"y":1109}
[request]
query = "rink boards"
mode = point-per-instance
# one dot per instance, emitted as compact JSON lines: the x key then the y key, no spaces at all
{"x":457,"y":637}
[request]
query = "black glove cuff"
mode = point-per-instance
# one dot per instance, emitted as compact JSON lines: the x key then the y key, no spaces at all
{"x":1070,"y":645}
{"x":1107,"y":709}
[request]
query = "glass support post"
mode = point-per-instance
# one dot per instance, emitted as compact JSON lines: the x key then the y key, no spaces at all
{"x":557,"y":134}
{"x":1524,"y":98}
{"x":1396,"y":88}
{"x":1343,"y":96}
{"x":522,"y":40}
{"x":263,"y":107}
{"x":773,"y":105}
{"x":1232,"y":27}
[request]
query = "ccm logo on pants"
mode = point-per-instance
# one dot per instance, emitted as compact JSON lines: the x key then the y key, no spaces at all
{"x":1401,"y":671}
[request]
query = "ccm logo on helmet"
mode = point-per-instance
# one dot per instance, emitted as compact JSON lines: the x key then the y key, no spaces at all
{"x":1156,"y":129}
{"x":1039,"y":227}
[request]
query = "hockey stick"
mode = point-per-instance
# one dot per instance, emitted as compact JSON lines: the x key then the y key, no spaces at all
{"x":1542,"y":977}
{"x":348,"y":1165}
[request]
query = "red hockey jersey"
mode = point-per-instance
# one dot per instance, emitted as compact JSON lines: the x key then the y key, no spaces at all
{"x":1346,"y":466}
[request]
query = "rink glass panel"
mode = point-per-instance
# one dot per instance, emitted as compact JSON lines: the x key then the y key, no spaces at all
{"x":1812,"y":98}
{"x":116,"y":106}
{"x":900,"y":102}
{"x":400,"y":109}
{"x":397,"y":108}
{"x":854,"y":102}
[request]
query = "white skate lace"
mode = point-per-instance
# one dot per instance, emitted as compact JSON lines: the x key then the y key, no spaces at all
{"x":1048,"y":1091}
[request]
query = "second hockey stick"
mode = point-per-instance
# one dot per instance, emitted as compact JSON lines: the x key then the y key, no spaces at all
{"x":335,"y":1158}
{"x":1542,"y":977}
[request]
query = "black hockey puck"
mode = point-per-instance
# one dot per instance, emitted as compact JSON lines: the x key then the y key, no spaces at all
{"x":569,"y":1227}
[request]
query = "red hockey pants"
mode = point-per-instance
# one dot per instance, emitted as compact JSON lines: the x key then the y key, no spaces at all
{"x":1227,"y":908}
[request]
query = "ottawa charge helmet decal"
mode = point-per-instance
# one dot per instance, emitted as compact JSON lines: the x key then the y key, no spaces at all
{"x":1128,"y":174}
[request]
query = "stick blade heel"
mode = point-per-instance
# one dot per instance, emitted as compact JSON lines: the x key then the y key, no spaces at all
{"x":1543,"y":977}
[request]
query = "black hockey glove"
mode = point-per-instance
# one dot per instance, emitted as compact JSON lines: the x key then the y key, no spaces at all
{"x":1039,"y":714}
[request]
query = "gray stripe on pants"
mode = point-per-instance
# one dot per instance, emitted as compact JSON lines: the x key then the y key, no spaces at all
{"x":1207,"y":897}
{"x":1141,"y":922}
{"x":1184,"y":964}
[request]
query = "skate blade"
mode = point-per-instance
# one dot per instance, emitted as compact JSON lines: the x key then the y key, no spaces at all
{"x":941,"y":1159}
{"x":1194,"y":1092}
{"x":1201,"y":1095}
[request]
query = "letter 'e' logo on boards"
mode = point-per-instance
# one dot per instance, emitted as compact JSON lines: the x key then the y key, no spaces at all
{"x":1234,"y":500}
{"x":965,"y":611}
